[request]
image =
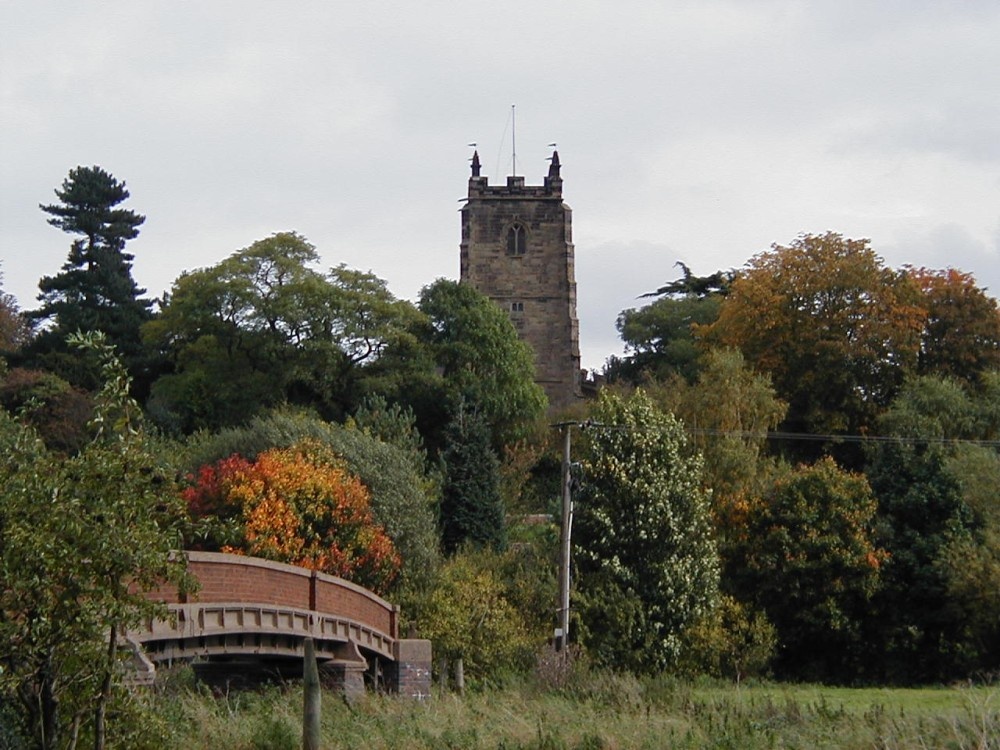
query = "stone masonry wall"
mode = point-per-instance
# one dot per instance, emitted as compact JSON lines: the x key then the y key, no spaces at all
{"x":537,"y":288}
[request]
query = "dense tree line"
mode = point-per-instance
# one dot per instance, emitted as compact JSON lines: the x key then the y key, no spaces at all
{"x":849,"y":445}
{"x":793,"y":469}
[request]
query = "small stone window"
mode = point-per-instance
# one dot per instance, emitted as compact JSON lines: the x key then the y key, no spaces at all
{"x":517,"y":239}
{"x":517,"y":307}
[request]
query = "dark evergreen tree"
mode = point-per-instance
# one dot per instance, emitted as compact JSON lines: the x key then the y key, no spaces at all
{"x":95,"y":290}
{"x":471,"y":506}
{"x":918,"y":629}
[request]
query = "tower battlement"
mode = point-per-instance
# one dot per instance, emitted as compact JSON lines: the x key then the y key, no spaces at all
{"x":517,"y":249}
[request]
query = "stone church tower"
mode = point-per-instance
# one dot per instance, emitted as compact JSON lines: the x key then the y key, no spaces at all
{"x":517,"y":249}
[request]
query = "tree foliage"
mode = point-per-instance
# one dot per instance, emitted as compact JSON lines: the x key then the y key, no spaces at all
{"x":399,"y":493}
{"x":262,"y":328}
{"x":837,"y":331}
{"x":82,"y":538}
{"x":472,"y":511}
{"x":808,"y":559}
{"x":394,"y":424}
{"x":483,"y":362}
{"x":659,"y":338}
{"x":729,"y":410}
{"x":58,"y":411}
{"x":297,"y":505}
{"x":647,"y":562}
{"x":95,"y":290}
{"x":732,"y":641}
{"x":14,"y":327}
{"x":933,"y":506}
{"x":918,"y":634}
{"x":471,"y":613}
{"x":961,"y":334}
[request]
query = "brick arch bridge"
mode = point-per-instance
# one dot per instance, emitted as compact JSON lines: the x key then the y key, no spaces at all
{"x":250,"y":611}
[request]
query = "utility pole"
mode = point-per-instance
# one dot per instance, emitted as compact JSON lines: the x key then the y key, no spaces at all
{"x":562,"y":633}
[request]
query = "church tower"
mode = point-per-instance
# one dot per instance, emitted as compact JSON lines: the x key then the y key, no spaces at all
{"x":517,"y":249}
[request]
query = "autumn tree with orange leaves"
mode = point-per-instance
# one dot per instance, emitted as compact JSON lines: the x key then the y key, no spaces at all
{"x":961,"y":337}
{"x":835,"y":328}
{"x":298,"y":505}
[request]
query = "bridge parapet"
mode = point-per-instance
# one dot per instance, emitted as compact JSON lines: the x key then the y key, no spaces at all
{"x":251,"y":580}
{"x":252,"y":608}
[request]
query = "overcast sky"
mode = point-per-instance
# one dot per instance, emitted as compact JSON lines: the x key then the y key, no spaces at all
{"x":699,"y":131}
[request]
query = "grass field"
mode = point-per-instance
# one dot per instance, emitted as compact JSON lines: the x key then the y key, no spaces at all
{"x":599,"y":711}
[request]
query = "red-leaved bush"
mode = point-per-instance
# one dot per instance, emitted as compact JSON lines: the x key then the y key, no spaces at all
{"x":298,"y":505}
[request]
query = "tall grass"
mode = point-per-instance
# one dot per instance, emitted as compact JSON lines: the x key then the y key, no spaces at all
{"x":597,"y":710}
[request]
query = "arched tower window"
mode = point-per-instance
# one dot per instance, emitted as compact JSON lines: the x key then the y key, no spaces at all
{"x":516,"y":239}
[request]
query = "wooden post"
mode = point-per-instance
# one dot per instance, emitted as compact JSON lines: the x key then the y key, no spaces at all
{"x":443,"y":673}
{"x":311,"y":698}
{"x":459,"y":676}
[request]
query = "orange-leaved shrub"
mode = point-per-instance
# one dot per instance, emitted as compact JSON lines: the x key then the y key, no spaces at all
{"x":298,"y":505}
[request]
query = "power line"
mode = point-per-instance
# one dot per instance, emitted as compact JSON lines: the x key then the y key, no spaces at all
{"x":907,"y":440}
{"x":804,"y":436}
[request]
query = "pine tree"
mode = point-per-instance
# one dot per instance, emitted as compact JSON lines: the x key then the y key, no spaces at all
{"x":471,"y":506}
{"x":95,"y":290}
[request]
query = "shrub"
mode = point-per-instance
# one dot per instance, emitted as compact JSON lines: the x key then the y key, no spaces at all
{"x":469,"y":614}
{"x":297,"y":505}
{"x":732,"y":641}
{"x":399,"y":502}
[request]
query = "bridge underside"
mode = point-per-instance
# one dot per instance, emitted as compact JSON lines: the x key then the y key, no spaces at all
{"x":250,"y":639}
{"x":212,"y":629}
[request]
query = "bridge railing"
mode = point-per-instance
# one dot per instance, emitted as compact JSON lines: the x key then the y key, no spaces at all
{"x":237,"y":579}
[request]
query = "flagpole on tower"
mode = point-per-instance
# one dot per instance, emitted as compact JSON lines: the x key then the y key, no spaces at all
{"x":513,"y":141}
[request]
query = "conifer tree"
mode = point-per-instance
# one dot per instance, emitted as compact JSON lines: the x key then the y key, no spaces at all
{"x":471,"y":506}
{"x":95,"y":290}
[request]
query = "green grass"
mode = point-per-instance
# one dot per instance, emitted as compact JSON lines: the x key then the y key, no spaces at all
{"x":600,"y":711}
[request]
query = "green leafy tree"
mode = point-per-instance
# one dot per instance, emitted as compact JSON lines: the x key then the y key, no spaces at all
{"x":472,"y":614}
{"x":648,"y":567}
{"x":918,"y":634}
{"x":938,"y":520}
{"x":732,"y":641}
{"x":729,"y":409}
{"x":262,"y":328}
{"x":95,"y":290}
{"x":59,"y":412}
{"x":988,"y":405}
{"x":483,"y":362}
{"x":82,"y":539}
{"x":969,"y":563}
{"x":808,"y":559}
{"x":659,"y":338}
{"x":394,"y":424}
{"x":472,"y":511}
{"x":932,"y":407}
{"x":837,"y":331}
